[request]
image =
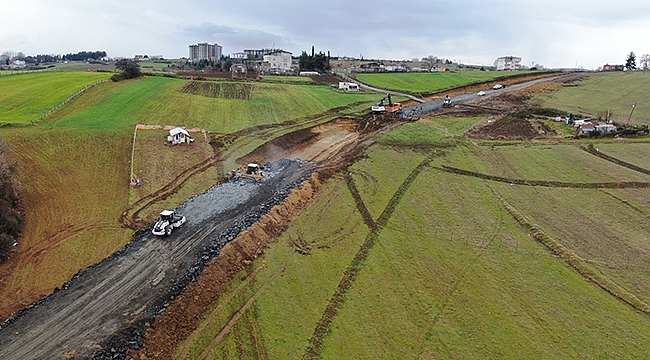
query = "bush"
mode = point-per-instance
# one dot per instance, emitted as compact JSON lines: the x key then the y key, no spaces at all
{"x":10,"y":218}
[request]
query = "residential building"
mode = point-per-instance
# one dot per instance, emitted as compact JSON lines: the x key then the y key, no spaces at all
{"x":508,"y":63}
{"x":259,"y":54}
{"x":608,"y":67}
{"x":205,"y":51}
{"x":277,"y":61}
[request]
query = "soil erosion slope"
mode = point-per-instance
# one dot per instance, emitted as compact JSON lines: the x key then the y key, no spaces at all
{"x":123,"y":293}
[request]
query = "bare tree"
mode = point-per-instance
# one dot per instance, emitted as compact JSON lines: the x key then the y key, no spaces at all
{"x":645,"y":62}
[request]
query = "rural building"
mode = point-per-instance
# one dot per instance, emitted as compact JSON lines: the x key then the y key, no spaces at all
{"x":238,"y":55}
{"x":604,"y":127}
{"x":349,"y":86}
{"x":608,"y":67}
{"x":309,"y":73}
{"x":205,"y":51}
{"x":259,"y":54}
{"x":508,"y":63}
{"x":179,"y":136}
{"x":586,"y":129}
{"x":277,"y":62}
{"x":370,"y":67}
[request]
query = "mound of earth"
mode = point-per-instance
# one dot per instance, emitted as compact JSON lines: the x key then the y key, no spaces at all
{"x":509,"y":128}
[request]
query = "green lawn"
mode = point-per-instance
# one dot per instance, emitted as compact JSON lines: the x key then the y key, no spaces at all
{"x":429,"y":82}
{"x":25,"y":97}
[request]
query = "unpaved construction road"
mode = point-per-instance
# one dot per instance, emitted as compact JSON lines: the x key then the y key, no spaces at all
{"x":121,"y":295}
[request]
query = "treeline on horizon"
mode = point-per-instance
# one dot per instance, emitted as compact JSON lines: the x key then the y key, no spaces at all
{"x":44,"y":58}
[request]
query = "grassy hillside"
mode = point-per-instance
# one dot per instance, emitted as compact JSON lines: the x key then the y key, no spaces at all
{"x":602,"y":91}
{"x":428,"y":82}
{"x":442,"y":268}
{"x":156,"y":100}
{"x":26,"y":97}
{"x":74,"y":188}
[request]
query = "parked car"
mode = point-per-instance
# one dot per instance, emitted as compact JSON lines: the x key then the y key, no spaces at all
{"x":481,"y":93}
{"x":497,"y":87}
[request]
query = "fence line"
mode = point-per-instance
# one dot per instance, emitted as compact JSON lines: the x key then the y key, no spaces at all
{"x":70,"y":98}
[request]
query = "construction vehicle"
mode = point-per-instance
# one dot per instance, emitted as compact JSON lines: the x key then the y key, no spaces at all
{"x":380,"y":107}
{"x":446,"y":102}
{"x":252,"y":172}
{"x":167,"y":222}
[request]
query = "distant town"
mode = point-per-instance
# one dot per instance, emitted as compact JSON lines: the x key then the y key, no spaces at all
{"x":208,"y":57}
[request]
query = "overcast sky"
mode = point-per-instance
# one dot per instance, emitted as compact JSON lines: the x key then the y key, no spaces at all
{"x":554,"y":33}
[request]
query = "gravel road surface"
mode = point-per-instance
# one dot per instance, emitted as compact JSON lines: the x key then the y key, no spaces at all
{"x":105,"y":309}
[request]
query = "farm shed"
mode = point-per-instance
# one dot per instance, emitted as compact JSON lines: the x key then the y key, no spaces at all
{"x":179,"y":136}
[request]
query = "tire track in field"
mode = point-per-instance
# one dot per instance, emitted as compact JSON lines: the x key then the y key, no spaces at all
{"x":361,"y":206}
{"x":208,"y":351}
{"x":593,"y":151}
{"x":545,"y":183}
{"x":324,"y":324}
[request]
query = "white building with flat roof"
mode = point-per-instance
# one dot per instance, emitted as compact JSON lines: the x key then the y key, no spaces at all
{"x":278,"y":61}
{"x":508,"y":63}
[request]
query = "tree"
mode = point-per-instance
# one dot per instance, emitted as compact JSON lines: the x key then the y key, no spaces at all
{"x":645,"y":62}
{"x":318,"y":62}
{"x":130,"y":70}
{"x":630,"y":63}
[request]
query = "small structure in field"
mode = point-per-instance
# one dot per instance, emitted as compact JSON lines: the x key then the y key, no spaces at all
{"x":179,"y":136}
{"x":348,"y":86}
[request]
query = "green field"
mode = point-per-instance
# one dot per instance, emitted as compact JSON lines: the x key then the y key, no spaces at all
{"x":601,"y":92}
{"x":449,"y":272}
{"x":156,"y":100}
{"x":429,"y":82}
{"x":26,"y":97}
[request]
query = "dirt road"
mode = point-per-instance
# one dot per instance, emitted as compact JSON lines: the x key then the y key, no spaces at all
{"x":121,"y":295}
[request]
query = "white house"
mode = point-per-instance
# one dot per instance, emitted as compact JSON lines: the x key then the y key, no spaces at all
{"x":349,"y":86}
{"x":278,"y":61}
{"x":508,"y":63}
{"x":179,"y":136}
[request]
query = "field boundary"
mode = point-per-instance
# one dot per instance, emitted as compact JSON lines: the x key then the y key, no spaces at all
{"x":547,"y":183}
{"x":577,"y":263}
{"x":594,"y":151}
{"x":324,"y":325}
{"x":70,"y":98}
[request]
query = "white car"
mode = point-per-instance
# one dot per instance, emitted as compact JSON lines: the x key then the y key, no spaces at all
{"x":497,"y":87}
{"x":481,"y":93}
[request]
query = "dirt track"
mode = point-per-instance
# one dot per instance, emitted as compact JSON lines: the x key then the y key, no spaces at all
{"x":124,"y":292}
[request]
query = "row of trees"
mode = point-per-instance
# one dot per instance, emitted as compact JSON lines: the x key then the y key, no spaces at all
{"x":630,"y":62}
{"x":10,"y":217}
{"x":314,"y":62}
{"x":85,"y":55}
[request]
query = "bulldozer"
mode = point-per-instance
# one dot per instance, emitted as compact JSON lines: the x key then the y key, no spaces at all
{"x":252,"y":172}
{"x":392,"y":107}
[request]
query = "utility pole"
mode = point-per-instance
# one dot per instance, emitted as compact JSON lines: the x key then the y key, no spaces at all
{"x":630,"y":117}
